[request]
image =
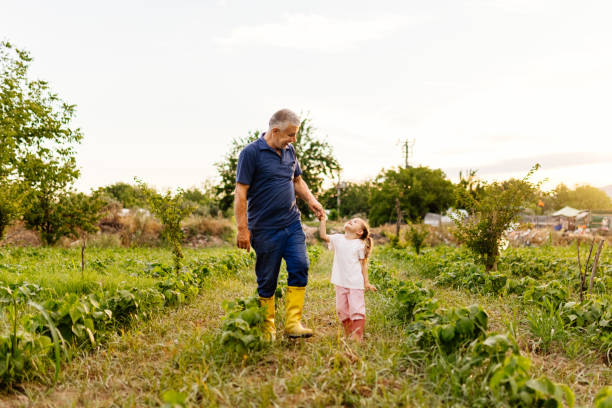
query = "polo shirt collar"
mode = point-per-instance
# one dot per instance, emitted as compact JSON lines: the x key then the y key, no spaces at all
{"x":263,"y":145}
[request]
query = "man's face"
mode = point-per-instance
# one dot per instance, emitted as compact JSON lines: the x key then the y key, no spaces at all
{"x":286,"y":136}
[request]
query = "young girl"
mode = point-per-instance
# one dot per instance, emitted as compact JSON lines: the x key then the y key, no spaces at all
{"x":350,"y":273}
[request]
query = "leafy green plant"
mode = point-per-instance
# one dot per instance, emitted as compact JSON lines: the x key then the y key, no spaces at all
{"x":171,"y":210}
{"x":241,"y":330}
{"x":547,"y":325}
{"x":407,"y":296}
{"x":603,"y":399}
{"x":416,"y":235}
{"x":22,"y":351}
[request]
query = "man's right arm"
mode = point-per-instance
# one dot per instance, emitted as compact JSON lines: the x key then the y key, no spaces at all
{"x":243,"y":240}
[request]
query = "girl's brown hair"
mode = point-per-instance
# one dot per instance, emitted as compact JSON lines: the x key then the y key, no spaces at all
{"x":365,"y":236}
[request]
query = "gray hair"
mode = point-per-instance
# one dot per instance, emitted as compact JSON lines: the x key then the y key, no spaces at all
{"x":284,"y":118}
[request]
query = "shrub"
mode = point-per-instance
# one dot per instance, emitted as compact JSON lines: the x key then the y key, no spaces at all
{"x":491,"y":214}
{"x":416,"y":235}
{"x":241,"y":330}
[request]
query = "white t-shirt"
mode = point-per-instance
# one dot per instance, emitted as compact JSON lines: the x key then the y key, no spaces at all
{"x":346,"y":270}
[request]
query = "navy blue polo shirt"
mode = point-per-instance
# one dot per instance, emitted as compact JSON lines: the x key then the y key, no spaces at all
{"x":271,"y":195}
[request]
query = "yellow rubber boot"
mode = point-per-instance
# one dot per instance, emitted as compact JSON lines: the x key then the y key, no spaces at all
{"x":269,"y":329}
{"x":294,"y":303}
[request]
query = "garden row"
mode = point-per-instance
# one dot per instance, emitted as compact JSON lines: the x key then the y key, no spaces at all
{"x":543,"y":280}
{"x":461,"y":361}
{"x":43,"y":329}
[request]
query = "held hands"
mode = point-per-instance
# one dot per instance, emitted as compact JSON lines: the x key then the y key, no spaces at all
{"x":243,"y":240}
{"x":317,"y":208}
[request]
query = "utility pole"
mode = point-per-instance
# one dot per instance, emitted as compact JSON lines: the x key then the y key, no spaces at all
{"x":339,"y":187}
{"x":408,"y":147}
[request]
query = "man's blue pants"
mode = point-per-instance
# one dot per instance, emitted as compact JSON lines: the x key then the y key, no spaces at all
{"x":271,"y":247}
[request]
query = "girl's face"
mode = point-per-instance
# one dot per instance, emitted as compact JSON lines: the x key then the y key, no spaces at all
{"x":354,"y":226}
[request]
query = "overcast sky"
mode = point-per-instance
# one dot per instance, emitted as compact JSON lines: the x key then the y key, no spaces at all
{"x":163,"y":86}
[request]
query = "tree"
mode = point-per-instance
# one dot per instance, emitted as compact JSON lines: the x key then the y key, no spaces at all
{"x":491,"y":214}
{"x":171,"y":209}
{"x":314,"y":154}
{"x":35,"y":134}
{"x":227,"y":169}
{"x":583,"y":197}
{"x":316,"y":158}
{"x":354,"y":198}
{"x":47,"y":189}
{"x":128,"y":195}
{"x":419,"y":189}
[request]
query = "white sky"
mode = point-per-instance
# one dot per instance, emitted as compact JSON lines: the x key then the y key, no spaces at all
{"x":495,"y":85}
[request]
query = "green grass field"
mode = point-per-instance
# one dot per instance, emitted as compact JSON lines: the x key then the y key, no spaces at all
{"x":175,"y":355}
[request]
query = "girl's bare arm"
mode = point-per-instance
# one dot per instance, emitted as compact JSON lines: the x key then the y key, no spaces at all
{"x":323,"y":230}
{"x":364,"y":271}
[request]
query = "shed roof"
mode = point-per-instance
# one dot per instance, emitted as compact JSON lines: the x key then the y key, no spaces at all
{"x":567,"y":212}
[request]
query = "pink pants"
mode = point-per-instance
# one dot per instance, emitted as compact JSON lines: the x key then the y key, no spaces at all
{"x":350,"y":303}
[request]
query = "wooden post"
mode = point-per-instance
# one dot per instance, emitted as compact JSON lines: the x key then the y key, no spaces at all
{"x":586,"y":267}
{"x":595,"y":262}
{"x":399,"y":218}
{"x":83,"y":243}
{"x":579,"y":267}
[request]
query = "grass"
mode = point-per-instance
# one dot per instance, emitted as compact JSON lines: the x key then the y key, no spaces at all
{"x":59,"y":269}
{"x":176,"y":350}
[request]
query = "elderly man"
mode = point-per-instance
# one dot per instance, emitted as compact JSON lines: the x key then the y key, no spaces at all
{"x":268,"y":178}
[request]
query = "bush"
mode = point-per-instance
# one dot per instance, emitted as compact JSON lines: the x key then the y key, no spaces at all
{"x":242,"y":325}
{"x":491,"y":214}
{"x":416,"y":235}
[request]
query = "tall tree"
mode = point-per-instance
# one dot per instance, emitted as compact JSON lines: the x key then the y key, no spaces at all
{"x":36,"y":138}
{"x":314,"y":154}
{"x":419,"y":189}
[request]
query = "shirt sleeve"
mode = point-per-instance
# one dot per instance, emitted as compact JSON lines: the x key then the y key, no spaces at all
{"x":362,"y":251}
{"x":298,"y":169}
{"x":246,"y":166}
{"x":330,"y":244}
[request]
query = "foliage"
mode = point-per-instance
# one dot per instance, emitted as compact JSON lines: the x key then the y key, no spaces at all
{"x":36,"y":140}
{"x":130,"y":196}
{"x":22,"y":350}
{"x":39,"y":331}
{"x":205,"y":199}
{"x":491,"y":215}
{"x":226,"y":168}
{"x":316,"y":158}
{"x":603,"y":399}
{"x":242,"y":325}
{"x":407,"y":296}
{"x":470,"y":188}
{"x":10,"y":203}
{"x":314,"y":154}
{"x":354,"y":199}
{"x":448,"y":330}
{"x":416,"y":235}
{"x":583,"y":197}
{"x":171,"y":209}
{"x":420,"y":190}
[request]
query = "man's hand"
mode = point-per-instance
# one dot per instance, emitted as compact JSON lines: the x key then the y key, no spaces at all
{"x":317,"y":209}
{"x":244,"y":239}
{"x":370,"y":287}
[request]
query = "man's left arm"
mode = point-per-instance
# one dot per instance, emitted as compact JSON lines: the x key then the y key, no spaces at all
{"x":303,"y":192}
